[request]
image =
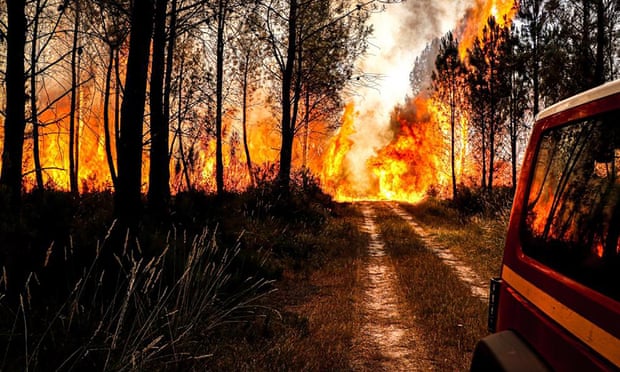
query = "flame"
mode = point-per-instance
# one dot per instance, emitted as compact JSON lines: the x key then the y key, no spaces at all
{"x":416,"y":161}
{"x":502,"y":10}
{"x":334,"y":175}
{"x":410,"y":165}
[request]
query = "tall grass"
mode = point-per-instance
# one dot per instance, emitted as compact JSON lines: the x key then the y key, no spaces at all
{"x":477,"y":238}
{"x":130,"y":311}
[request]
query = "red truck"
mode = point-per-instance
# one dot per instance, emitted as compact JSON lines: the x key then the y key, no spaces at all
{"x":556,"y":305}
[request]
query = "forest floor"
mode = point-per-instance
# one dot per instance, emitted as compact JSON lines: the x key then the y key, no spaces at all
{"x":369,"y":286}
{"x":394,"y":298}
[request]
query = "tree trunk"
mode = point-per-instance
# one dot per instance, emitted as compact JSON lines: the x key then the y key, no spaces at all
{"x":159,"y":171}
{"x":73,"y":132}
{"x":452,"y":136}
{"x":219,"y":160}
{"x":536,"y":34}
{"x":601,"y":42}
{"x":244,"y":116}
{"x":106,"y":117}
{"x":34,"y":115}
{"x":128,"y":194}
{"x":118,"y":87}
{"x":286,"y":150}
{"x":492,"y":113}
{"x":15,"y":119}
{"x":169,"y":64}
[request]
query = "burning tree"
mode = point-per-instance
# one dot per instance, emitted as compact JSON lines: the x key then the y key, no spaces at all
{"x":449,"y":89}
{"x":314,"y":45}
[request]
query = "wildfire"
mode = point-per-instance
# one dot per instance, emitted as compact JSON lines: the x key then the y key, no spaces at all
{"x":409,"y":162}
{"x":417,"y":159}
{"x":502,"y":10}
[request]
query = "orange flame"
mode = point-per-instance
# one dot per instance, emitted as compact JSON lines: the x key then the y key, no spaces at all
{"x":411,"y":164}
{"x":334,"y":175}
{"x":502,"y":10}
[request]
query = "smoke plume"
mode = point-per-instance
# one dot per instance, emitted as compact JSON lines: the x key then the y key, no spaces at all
{"x":400,"y":33}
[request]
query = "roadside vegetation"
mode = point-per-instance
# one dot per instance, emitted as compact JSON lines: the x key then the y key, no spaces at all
{"x":473,"y":226}
{"x":251,"y":281}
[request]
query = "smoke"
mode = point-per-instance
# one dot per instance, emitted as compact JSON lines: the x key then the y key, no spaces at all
{"x":400,"y":33}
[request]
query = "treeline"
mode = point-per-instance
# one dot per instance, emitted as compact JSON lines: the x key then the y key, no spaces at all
{"x":491,"y":91}
{"x":160,"y":75}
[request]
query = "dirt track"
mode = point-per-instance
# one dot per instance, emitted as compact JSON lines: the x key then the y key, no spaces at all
{"x":389,"y":339}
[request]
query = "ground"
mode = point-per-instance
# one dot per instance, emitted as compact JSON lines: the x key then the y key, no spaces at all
{"x":396,"y":299}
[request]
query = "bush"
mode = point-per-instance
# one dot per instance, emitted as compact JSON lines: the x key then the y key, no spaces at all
{"x":470,"y":201}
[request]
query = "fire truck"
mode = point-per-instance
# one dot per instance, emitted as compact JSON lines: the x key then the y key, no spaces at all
{"x":556,"y":305}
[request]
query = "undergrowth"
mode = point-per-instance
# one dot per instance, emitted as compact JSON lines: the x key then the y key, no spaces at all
{"x":77,"y":293}
{"x":132,"y":316}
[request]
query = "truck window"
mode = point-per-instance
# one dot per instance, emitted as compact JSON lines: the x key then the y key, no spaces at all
{"x":572,"y":216}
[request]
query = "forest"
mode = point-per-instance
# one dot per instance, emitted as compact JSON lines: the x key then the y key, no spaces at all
{"x":166,"y":163}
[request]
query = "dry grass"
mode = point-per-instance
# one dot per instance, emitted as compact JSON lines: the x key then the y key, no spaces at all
{"x":451,"y":319}
{"x":314,"y":318}
{"x":476,"y":240}
{"x":132,"y":317}
{"x":190,"y":321}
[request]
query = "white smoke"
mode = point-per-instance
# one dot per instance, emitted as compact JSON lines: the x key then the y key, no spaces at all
{"x":400,"y":33}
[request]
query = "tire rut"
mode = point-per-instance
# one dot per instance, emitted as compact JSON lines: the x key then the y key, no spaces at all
{"x":479,"y":288}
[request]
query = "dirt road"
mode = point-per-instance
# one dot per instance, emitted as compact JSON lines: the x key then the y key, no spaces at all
{"x":390,"y":339}
{"x":387,"y":341}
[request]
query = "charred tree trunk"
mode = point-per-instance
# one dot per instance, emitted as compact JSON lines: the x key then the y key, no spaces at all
{"x":601,"y":43}
{"x":286,"y":151}
{"x":34,"y":117}
{"x":106,"y":116}
{"x":169,"y":64}
{"x":73,"y":113}
{"x":492,"y":107}
{"x":244,"y":115}
{"x":219,"y":159}
{"x":118,"y":87}
{"x":15,"y":119}
{"x":536,"y":35}
{"x":452,"y":136}
{"x":127,"y":200}
{"x":159,"y":171}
